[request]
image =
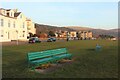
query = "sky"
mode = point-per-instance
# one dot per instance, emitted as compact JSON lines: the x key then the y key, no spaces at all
{"x":99,"y":15}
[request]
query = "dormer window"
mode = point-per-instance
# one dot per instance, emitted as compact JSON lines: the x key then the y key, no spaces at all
{"x":4,"y":13}
{"x":7,"y":14}
{"x":21,"y":16}
{"x":11,"y":14}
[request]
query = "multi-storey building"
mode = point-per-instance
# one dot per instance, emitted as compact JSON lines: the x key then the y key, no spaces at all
{"x":85,"y":34}
{"x":14,"y":25}
{"x":73,"y":34}
{"x":30,"y":27}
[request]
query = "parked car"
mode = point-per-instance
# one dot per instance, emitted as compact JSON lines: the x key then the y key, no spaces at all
{"x":51,"y":39}
{"x":34,"y":40}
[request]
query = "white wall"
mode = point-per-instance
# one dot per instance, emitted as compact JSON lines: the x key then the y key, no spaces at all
{"x":9,"y":33}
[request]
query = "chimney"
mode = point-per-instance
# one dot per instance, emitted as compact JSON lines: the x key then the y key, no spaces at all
{"x":15,"y":10}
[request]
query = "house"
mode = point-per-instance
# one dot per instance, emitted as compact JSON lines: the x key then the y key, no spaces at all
{"x":73,"y":34}
{"x":89,"y":35}
{"x":85,"y":34}
{"x":14,"y":25}
{"x":56,"y":34}
{"x":30,"y":27}
{"x":61,"y":34}
{"x":114,"y":39}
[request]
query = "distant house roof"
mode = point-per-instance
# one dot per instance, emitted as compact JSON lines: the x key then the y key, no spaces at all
{"x":2,"y":9}
{"x":8,"y":9}
{"x":7,"y":16}
{"x":5,"y":9}
{"x":17,"y":14}
{"x":28,"y":20}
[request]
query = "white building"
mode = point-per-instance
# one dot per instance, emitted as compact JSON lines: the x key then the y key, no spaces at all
{"x":13,"y":25}
{"x":73,"y":34}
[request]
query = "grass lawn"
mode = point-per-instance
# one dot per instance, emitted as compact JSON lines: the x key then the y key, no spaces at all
{"x":87,"y":62}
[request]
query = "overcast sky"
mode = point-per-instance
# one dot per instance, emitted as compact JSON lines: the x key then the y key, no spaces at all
{"x":102,"y":15}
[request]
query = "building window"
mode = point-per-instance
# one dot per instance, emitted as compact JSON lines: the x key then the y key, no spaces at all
{"x":23,"y":25}
{"x":8,"y":23}
{"x":23,"y":33}
{"x":7,"y":14}
{"x":21,"y":16}
{"x":1,"y":22}
{"x":1,"y":33}
{"x":11,"y":14}
{"x":14,"y":24}
{"x":4,"y":13}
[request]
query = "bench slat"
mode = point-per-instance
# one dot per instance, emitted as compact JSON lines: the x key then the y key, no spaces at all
{"x":42,"y":60}
{"x":47,"y":53}
{"x":47,"y":56}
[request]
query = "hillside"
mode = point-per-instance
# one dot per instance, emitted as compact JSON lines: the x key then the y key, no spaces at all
{"x":96,"y":32}
{"x":79,"y":28}
{"x":46,"y":28}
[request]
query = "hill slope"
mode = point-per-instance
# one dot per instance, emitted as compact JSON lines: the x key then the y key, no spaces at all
{"x":46,"y":28}
{"x":78,"y":28}
{"x":96,"y":32}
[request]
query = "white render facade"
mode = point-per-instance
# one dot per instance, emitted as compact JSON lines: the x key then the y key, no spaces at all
{"x":13,"y":25}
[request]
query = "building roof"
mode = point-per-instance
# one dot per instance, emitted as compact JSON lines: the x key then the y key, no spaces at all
{"x":2,"y":9}
{"x":17,"y":14}
{"x":28,"y":20}
{"x":7,"y":16}
{"x":5,"y":9}
{"x":8,"y":9}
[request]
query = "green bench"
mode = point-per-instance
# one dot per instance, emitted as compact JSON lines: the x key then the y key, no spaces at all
{"x":49,"y":56}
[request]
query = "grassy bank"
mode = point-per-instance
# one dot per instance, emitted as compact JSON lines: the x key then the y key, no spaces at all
{"x":87,"y":62}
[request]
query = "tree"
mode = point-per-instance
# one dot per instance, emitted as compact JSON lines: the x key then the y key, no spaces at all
{"x":35,"y":35}
{"x":30,"y":34}
{"x":67,"y":35}
{"x":106,"y":36}
{"x":62,"y":31}
{"x":51,"y":33}
{"x":43,"y":35}
{"x":78,"y":35}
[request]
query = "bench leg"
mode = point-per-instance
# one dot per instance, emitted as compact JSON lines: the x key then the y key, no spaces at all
{"x":70,"y":58}
{"x":30,"y":66}
{"x":33,"y":68}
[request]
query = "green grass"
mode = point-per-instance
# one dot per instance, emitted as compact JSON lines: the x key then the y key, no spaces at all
{"x":87,"y":62}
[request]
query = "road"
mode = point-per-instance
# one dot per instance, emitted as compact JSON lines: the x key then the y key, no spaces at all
{"x":22,"y":42}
